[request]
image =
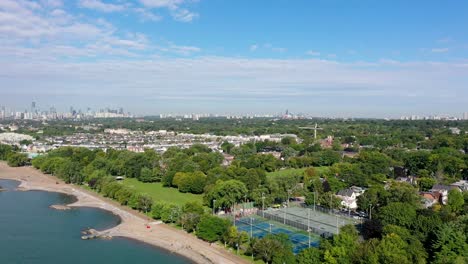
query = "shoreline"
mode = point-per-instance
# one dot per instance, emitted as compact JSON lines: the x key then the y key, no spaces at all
{"x":132,"y":223}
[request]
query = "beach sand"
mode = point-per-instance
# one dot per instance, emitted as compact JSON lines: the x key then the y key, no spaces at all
{"x":134,"y":225}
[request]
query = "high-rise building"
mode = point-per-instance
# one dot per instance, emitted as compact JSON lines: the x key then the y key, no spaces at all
{"x":465,"y":116}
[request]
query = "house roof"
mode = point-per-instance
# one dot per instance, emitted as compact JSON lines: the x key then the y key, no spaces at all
{"x":441,"y":187}
{"x":345,"y":192}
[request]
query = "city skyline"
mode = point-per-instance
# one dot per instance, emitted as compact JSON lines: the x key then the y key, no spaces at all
{"x":176,"y":56}
{"x":35,"y":111}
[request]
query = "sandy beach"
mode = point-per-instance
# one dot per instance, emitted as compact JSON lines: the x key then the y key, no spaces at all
{"x":133,"y":224}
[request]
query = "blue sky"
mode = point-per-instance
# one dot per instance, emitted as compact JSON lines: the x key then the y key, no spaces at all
{"x":328,"y":58}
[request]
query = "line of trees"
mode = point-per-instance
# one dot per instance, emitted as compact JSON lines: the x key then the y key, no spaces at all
{"x":12,"y":156}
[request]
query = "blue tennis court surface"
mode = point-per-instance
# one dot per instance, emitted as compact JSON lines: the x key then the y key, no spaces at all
{"x":261,"y":228}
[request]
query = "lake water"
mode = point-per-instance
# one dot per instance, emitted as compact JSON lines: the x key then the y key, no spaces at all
{"x":31,"y":232}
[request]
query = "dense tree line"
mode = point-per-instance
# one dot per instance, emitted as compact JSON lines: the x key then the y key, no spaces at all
{"x":400,"y":230}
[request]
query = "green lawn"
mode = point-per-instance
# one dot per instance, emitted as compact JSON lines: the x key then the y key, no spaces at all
{"x":160,"y":193}
{"x":292,"y":171}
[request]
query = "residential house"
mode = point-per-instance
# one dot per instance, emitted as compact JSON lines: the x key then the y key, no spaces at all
{"x":349,"y":197}
{"x":443,"y":191}
{"x":462,"y":185}
{"x":227,"y":159}
{"x":410,"y":179}
{"x":430,"y":198}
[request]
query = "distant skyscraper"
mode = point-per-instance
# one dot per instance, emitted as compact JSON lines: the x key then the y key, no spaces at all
{"x":465,"y":116}
{"x":33,"y":107}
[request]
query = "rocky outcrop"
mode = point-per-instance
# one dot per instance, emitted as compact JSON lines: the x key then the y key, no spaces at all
{"x":60,"y":207}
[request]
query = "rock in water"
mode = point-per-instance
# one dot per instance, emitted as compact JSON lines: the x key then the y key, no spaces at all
{"x":60,"y":207}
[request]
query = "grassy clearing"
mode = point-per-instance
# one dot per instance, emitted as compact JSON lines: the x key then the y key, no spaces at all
{"x":292,"y":171}
{"x":160,"y":193}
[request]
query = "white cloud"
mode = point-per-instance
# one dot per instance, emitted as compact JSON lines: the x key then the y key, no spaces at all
{"x":184,"y":15}
{"x":439,"y":50}
{"x":445,"y":40}
{"x":172,"y":4}
{"x":179,"y":50}
{"x":177,"y":12}
{"x":275,"y":49}
{"x":267,"y":46}
{"x":101,"y":6}
{"x":146,"y":15}
{"x":313,"y":53}
{"x":52,"y":3}
{"x":331,"y":56}
{"x":235,"y":81}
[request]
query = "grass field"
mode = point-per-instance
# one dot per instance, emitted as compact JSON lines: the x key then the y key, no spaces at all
{"x":292,"y":171}
{"x":160,"y":193}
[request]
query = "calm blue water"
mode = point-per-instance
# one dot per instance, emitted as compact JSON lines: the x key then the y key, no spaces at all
{"x":31,"y":232}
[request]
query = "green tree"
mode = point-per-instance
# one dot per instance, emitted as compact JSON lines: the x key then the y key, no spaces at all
{"x":141,"y":202}
{"x":391,"y":249}
{"x":212,"y":228}
{"x":343,"y":247}
{"x":273,"y":249}
{"x":226,"y":193}
{"x":17,"y":159}
{"x":310,"y":255}
{"x":191,"y":214}
{"x":70,"y":172}
{"x":170,"y":213}
{"x":455,"y":200}
{"x":450,"y":245}
{"x":5,"y":150}
{"x":401,"y":214}
{"x":146,"y":175}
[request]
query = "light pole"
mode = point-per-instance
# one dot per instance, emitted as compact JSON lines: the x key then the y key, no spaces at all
{"x":308,"y":231}
{"x":337,"y":229}
{"x":370,"y":211}
{"x":214,"y":206}
{"x":233,"y":213}
{"x":270,"y":227}
{"x":284,"y":216}
{"x":263,"y":205}
{"x":243,"y":205}
{"x":251,"y":225}
{"x":315,"y":194}
{"x":308,"y":218}
{"x":289,"y":193}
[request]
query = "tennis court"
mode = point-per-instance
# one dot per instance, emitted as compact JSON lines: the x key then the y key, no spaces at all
{"x":318,"y":222}
{"x":260,"y":227}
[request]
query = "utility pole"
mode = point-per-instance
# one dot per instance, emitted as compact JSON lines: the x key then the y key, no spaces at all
{"x":243,"y":205}
{"x":315,"y":194}
{"x":214,"y":206}
{"x":263,"y":205}
{"x":234,"y":212}
{"x":251,"y":225}
{"x":337,"y":228}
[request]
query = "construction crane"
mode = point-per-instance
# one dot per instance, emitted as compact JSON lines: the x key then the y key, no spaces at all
{"x":315,"y":128}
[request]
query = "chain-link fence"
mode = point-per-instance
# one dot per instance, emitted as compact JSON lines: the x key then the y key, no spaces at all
{"x":306,"y":219}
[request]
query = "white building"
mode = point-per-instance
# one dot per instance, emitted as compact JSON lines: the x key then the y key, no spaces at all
{"x":349,"y":197}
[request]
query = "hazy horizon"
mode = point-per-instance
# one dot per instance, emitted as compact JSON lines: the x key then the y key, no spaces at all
{"x":324,"y":58}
